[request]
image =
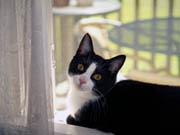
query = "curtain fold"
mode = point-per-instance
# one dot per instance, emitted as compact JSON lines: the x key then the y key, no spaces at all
{"x":26,"y":67}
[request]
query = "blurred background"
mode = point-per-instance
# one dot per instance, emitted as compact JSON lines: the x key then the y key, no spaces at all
{"x":147,"y":31}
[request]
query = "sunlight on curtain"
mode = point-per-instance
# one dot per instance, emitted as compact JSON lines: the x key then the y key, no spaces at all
{"x":26,"y":67}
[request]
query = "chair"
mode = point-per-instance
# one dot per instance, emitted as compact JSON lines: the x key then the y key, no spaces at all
{"x":113,"y":37}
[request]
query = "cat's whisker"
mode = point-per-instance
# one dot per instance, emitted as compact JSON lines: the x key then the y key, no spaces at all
{"x":100,"y":103}
{"x":98,"y":92}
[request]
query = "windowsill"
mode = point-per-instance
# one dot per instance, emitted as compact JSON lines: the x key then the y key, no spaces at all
{"x":62,"y":128}
{"x":76,"y":130}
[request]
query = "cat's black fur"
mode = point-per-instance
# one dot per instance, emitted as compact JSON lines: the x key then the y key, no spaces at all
{"x":126,"y":104}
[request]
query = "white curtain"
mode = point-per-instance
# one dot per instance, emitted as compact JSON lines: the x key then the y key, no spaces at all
{"x":26,"y":67}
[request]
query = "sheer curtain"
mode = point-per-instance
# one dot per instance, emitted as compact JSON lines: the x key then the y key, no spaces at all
{"x":26,"y":67}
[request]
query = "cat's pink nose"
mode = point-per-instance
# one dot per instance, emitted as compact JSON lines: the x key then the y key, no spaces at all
{"x":82,"y":81}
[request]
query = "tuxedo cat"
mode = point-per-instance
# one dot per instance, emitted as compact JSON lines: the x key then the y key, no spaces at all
{"x":95,"y":100}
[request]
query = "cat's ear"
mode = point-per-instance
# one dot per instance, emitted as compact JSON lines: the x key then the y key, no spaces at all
{"x":86,"y":46}
{"x":116,"y":63}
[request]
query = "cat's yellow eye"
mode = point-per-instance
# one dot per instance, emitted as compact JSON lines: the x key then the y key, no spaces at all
{"x":80,"y":67}
{"x":97,"y":77}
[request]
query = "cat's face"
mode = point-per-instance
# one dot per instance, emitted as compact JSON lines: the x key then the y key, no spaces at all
{"x":90,"y":72}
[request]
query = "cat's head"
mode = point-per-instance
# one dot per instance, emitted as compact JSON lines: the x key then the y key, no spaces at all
{"x":90,"y":72}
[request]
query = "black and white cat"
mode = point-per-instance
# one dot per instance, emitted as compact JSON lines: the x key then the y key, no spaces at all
{"x":95,"y":100}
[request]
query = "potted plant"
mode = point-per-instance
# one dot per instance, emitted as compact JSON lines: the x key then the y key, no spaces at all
{"x":61,"y":3}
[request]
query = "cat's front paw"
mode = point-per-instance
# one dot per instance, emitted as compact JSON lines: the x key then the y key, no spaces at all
{"x":71,"y":120}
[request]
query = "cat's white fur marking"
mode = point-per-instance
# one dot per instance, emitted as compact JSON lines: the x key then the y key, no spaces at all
{"x":120,"y":77}
{"x":78,"y":96}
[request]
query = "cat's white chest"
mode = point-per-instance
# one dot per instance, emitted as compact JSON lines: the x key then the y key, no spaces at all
{"x":76,"y":99}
